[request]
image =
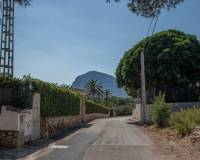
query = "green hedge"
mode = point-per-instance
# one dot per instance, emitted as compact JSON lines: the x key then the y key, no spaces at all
{"x":10,"y":82}
{"x":14,"y":92}
{"x":55,"y":100}
{"x":92,"y":107}
{"x":123,"y":110}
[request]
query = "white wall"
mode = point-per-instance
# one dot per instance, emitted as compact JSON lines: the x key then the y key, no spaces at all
{"x":26,"y":125}
{"x":9,"y":120}
{"x":25,"y":121}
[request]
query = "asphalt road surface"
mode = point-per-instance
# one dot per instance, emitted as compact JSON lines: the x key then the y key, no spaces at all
{"x":105,"y":139}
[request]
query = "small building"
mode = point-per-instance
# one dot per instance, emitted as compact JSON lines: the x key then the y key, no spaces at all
{"x":19,"y":126}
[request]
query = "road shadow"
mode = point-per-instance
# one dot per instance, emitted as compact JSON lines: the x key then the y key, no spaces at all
{"x":7,"y":153}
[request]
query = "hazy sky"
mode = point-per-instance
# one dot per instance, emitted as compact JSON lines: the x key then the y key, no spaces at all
{"x":58,"y":40}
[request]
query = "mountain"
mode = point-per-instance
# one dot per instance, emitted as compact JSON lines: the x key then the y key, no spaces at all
{"x":106,"y":80}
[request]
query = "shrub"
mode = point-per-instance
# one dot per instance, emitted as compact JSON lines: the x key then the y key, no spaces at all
{"x":185,"y":121}
{"x":61,"y":101}
{"x":92,"y":107}
{"x":160,"y":111}
{"x":123,"y":110}
{"x":15,"y":92}
{"x":8,"y":82}
{"x":55,"y":100}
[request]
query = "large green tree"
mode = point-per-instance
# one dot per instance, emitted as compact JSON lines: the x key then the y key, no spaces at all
{"x":150,"y":8}
{"x":172,"y":61}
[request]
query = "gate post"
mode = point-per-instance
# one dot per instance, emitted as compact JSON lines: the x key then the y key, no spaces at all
{"x":36,"y":117}
{"x":82,"y":106}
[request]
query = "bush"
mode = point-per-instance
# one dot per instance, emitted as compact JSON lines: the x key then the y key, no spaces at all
{"x":15,"y":92}
{"x":92,"y":107}
{"x":160,"y":111}
{"x":185,"y":120}
{"x":123,"y":110}
{"x":55,"y":100}
{"x":61,"y":101}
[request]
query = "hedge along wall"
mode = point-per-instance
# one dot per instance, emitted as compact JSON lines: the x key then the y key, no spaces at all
{"x":11,"y":93}
{"x":92,"y":107}
{"x":55,"y":100}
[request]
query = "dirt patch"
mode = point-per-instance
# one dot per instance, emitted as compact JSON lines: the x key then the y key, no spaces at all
{"x":170,"y":146}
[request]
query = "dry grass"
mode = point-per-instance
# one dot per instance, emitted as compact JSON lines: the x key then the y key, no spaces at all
{"x":170,"y":146}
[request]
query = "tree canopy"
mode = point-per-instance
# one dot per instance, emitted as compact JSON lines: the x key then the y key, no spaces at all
{"x":23,"y":2}
{"x":172,"y":60}
{"x":20,"y":2}
{"x":150,"y":8}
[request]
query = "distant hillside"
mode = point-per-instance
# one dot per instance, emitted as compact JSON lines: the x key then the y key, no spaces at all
{"x":107,"y":81}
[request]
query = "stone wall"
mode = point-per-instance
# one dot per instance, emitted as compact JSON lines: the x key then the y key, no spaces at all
{"x":93,"y":116}
{"x":53,"y":126}
{"x":11,"y":138}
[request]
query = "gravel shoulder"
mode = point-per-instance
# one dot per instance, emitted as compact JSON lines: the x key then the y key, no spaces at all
{"x":170,"y":146}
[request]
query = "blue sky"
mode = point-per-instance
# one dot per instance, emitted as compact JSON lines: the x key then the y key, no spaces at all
{"x":58,"y":40}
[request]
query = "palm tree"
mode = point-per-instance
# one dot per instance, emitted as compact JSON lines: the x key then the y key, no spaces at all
{"x":107,"y":94}
{"x":94,"y":89}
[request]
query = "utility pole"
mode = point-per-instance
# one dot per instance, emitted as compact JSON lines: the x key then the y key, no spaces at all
{"x":7,"y":39}
{"x":143,"y":87}
{"x":143,"y":79}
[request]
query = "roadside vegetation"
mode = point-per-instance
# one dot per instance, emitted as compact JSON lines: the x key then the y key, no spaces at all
{"x":120,"y":105}
{"x":183,"y":121}
{"x":171,"y":66}
{"x":160,"y":111}
{"x":55,"y":100}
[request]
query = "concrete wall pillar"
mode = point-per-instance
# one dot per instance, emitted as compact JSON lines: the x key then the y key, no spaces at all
{"x":36,"y":117}
{"x":82,"y":107}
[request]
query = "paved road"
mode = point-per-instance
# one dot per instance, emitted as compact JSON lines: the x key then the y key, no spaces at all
{"x":105,"y":139}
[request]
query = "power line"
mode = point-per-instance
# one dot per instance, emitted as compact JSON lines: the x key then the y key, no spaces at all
{"x":154,"y":27}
